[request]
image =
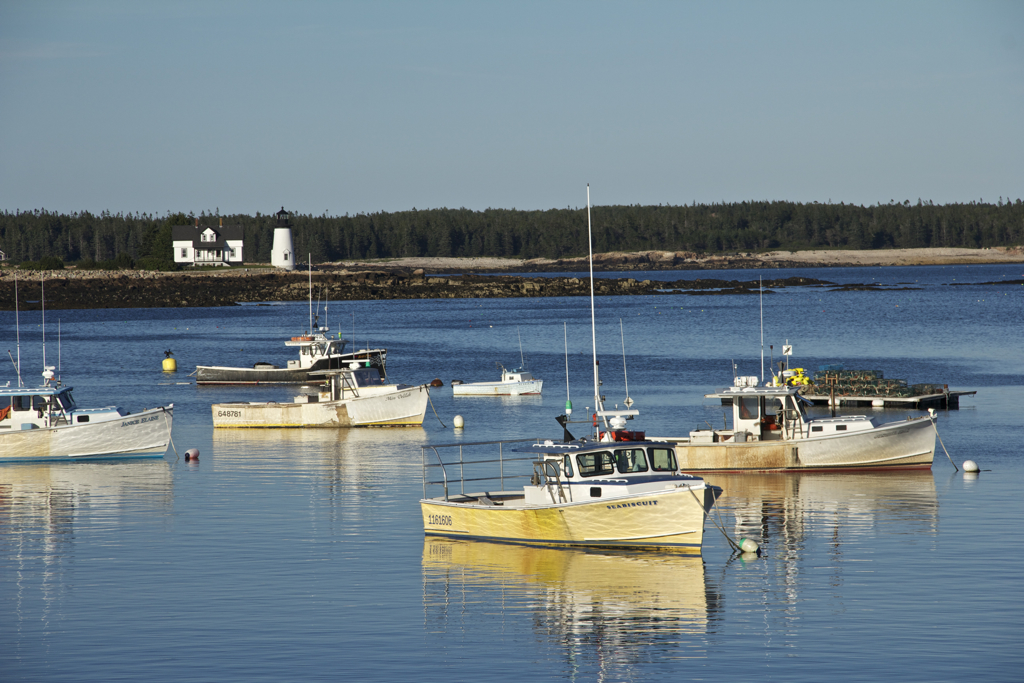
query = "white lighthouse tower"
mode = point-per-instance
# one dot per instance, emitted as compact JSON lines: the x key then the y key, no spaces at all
{"x":283,"y":255}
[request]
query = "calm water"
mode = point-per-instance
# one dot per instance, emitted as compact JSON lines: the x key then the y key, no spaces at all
{"x":300,"y":555}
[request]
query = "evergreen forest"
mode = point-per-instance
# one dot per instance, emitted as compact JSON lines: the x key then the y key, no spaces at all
{"x":124,"y":240}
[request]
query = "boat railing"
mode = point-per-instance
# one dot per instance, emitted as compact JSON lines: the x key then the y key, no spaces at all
{"x":453,"y":463}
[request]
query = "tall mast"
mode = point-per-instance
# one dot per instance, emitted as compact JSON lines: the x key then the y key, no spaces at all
{"x":42,"y":302}
{"x":17,"y":326}
{"x":593,"y":326}
{"x":760,"y":288}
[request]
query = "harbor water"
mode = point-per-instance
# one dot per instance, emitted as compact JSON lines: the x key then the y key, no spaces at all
{"x":300,"y":554}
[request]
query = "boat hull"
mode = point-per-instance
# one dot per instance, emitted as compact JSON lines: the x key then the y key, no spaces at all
{"x":498,"y":388}
{"x":894,"y":446}
{"x":404,"y":408}
{"x":212,"y":374}
{"x":671,"y":519}
{"x":144,"y":434}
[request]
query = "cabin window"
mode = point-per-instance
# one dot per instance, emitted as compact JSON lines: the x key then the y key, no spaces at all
{"x":631,"y":460}
{"x":19,"y":402}
{"x":82,"y":418}
{"x":816,"y":429}
{"x":368,"y":377}
{"x":594,"y":464}
{"x":840,"y":428}
{"x":567,"y":467}
{"x":748,"y":408}
{"x":663,"y":459}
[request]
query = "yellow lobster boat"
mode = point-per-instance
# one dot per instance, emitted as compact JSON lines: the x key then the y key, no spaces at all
{"x":581,"y":493}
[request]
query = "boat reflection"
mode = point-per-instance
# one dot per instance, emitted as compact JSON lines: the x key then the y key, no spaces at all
{"x":59,"y":491}
{"x":355,"y":465}
{"x":784,"y":508}
{"x":611,"y":608}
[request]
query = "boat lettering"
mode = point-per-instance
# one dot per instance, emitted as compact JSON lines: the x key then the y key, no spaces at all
{"x":903,"y":430}
{"x":440,"y":520}
{"x":229,"y":413}
{"x":395,"y":397}
{"x":129,"y":423}
{"x":639,"y":503}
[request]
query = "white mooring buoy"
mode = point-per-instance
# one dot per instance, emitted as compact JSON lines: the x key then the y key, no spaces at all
{"x":748,"y":545}
{"x":971,"y":466}
{"x":458,"y":422}
{"x":192,"y":454}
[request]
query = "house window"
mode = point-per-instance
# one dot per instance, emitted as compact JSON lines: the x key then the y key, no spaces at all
{"x":184,"y":252}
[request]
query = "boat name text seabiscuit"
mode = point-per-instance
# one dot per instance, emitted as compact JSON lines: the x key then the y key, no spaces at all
{"x":632,"y":505}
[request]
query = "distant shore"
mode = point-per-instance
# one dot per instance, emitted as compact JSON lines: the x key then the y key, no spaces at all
{"x":448,"y":278}
{"x":678,"y":260}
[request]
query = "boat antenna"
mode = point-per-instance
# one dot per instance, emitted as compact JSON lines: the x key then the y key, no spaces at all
{"x":760,"y":289}
{"x":309,"y":258}
{"x":628,"y":401}
{"x":522,"y":359}
{"x":58,"y":349}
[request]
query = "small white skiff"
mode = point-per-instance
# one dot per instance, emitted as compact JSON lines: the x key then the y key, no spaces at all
{"x":515,"y":382}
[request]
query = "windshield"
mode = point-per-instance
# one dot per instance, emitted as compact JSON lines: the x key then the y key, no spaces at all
{"x":368,"y":377}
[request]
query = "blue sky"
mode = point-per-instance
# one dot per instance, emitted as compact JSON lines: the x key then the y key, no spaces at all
{"x":350,"y":107}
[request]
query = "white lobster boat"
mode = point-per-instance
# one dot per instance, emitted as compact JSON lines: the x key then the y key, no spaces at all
{"x":514,"y":382}
{"x":351,"y":397}
{"x":317,"y":352}
{"x":45,"y":423}
{"x":772,"y":432}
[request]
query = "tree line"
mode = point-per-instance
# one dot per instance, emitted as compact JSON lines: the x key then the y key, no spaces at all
{"x":145,"y":239}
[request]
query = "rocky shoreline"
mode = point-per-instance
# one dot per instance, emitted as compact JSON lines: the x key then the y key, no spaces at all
{"x":437,"y":278}
{"x":123,"y":290}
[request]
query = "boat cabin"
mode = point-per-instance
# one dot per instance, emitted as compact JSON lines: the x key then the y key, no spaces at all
{"x":314,"y":348}
{"x":771,"y":413}
{"x":355,"y":381}
{"x":583,"y":470}
{"x":46,"y":407}
{"x":515,"y":375}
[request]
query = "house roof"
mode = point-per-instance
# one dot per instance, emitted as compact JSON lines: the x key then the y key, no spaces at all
{"x":181,"y":233}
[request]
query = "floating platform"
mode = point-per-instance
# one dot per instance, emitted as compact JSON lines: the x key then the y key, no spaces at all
{"x":946,"y":400}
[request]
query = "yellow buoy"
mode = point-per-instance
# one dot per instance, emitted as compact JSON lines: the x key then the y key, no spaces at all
{"x":169,"y":364}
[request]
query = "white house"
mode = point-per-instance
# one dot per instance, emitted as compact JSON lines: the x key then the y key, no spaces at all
{"x":205,"y":246}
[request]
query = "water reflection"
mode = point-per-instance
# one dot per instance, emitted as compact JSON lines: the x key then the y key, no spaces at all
{"x":603,"y":609}
{"x":45,"y":506}
{"x":50,"y":496}
{"x":355,"y":469}
{"x":783,"y":509}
